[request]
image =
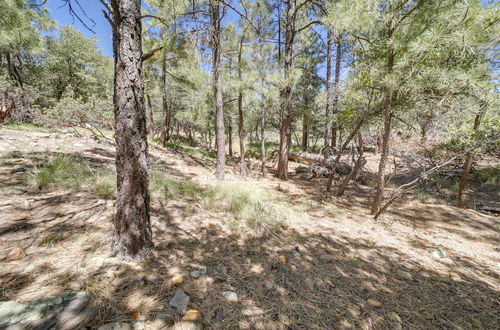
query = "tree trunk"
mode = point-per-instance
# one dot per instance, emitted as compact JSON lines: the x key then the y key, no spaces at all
{"x":132,"y":235}
{"x":380,"y":180}
{"x":328,"y":112}
{"x":151,"y":118}
{"x":286,"y":92}
{"x":464,"y":179}
{"x":216,"y":71}
{"x":230,"y":136}
{"x":263,"y":141}
{"x":241,"y":126}
{"x":357,"y":166}
{"x":387,"y":114}
{"x":336,"y":89}
{"x":165,"y":133}
{"x":305,"y":132}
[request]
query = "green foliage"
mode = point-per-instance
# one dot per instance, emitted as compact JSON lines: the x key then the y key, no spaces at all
{"x":59,"y":171}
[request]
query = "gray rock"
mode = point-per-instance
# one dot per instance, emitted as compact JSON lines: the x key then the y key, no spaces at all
{"x":195,"y":274}
{"x":116,"y":326}
{"x":180,"y":301}
{"x":230,"y":295}
{"x":8,"y":309}
{"x":139,"y":325}
{"x":310,"y":283}
{"x":27,"y":204}
{"x":404,"y":275}
{"x":165,"y":244}
{"x":438,"y":253}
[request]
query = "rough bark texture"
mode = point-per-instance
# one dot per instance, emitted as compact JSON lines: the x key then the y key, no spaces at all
{"x":355,"y":170}
{"x":328,"y":112}
{"x":216,"y":70}
{"x":132,"y":236}
{"x":287,"y":91}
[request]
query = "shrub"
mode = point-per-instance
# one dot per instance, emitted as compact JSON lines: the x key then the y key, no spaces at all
{"x":167,"y":186}
{"x":104,"y":184}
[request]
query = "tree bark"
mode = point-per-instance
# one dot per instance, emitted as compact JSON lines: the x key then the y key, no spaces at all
{"x":469,"y":160}
{"x":263,"y":141}
{"x":357,"y":166}
{"x":336,"y":89}
{"x":216,"y":71}
{"x":286,"y":92}
{"x":165,"y":133}
{"x":132,"y":236}
{"x":230,"y":136}
{"x":328,"y":112}
{"x":241,"y":126}
{"x":151,"y":118}
{"x":387,"y":114}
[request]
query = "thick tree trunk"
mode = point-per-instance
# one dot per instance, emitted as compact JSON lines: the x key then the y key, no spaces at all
{"x":132,"y":236}
{"x":216,"y":71}
{"x":286,"y":92}
{"x":329,"y":96}
{"x":464,"y":179}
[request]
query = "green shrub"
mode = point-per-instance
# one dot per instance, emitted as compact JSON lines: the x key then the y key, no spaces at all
{"x":167,"y":186}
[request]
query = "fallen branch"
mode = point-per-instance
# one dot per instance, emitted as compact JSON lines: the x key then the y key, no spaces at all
{"x":407,"y":186}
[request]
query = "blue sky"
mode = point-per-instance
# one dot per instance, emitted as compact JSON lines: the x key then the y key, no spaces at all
{"x":93,"y":9}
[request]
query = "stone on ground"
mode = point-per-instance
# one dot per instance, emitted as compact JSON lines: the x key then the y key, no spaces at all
{"x":230,"y":295}
{"x":179,"y":301}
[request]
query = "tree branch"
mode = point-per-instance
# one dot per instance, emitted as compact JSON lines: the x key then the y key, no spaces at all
{"x":308,"y":25}
{"x":151,"y":53}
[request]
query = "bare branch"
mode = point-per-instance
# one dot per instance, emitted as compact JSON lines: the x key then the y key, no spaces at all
{"x":308,"y":25}
{"x":151,"y":53}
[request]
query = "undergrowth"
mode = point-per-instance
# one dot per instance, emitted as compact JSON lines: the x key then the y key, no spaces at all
{"x":61,"y":171}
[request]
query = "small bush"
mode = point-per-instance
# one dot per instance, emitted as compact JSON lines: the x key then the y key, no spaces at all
{"x":61,"y":170}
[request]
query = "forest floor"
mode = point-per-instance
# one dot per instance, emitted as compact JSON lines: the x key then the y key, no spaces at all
{"x":294,"y":256}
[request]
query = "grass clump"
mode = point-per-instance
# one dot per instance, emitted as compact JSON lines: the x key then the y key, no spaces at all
{"x":104,"y":184}
{"x":167,"y":186}
{"x":249,"y":210}
{"x":60,"y":170}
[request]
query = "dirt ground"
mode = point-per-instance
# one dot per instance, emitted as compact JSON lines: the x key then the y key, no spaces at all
{"x":420,"y":266}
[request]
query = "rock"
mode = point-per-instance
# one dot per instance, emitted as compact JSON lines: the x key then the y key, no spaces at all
{"x":427,"y":315}
{"x":394,"y":317}
{"x":26,"y":204}
{"x":180,"y":301}
{"x":203,"y":270}
{"x":139,"y":325}
{"x":98,"y":261}
{"x":309,"y":283}
{"x":374,"y":303}
{"x":268,"y":284}
{"x":282,"y":260}
{"x":404,"y":275}
{"x":8,"y":309}
{"x":177,"y":280}
{"x":116,"y":326}
{"x":165,"y":244}
{"x":230,"y":295}
{"x":76,"y":313}
{"x":190,"y":321}
{"x":195,"y":274}
{"x":16,"y":254}
{"x":293,"y":268}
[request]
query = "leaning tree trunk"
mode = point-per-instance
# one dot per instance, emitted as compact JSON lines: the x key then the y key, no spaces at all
{"x":286,"y":92}
{"x":464,"y":179}
{"x":132,"y":236}
{"x":216,"y":70}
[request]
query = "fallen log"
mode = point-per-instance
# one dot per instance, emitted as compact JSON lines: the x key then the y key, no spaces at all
{"x":319,"y":160}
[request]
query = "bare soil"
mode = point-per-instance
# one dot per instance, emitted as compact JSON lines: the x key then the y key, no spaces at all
{"x":434,"y":265}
